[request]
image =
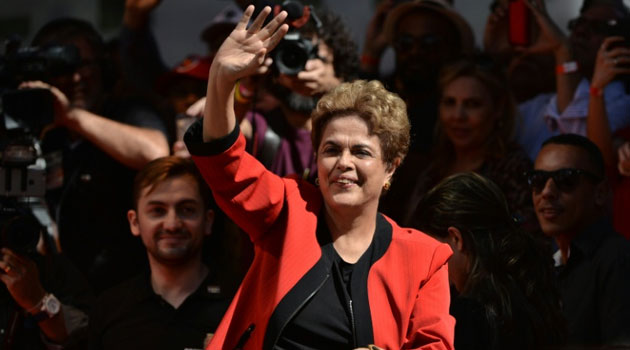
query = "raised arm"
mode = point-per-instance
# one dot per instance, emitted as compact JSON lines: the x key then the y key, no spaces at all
{"x":242,"y":54}
{"x":132,"y":146}
{"x":551,"y":40}
{"x":609,"y":63}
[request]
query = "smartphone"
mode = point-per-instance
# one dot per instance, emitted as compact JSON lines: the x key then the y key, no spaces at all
{"x":621,"y":28}
{"x":519,"y":23}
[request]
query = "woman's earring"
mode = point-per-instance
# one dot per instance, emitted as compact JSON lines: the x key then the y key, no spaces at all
{"x":387,"y":185}
{"x":317,"y":181}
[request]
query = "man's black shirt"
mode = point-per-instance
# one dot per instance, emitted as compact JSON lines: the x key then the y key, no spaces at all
{"x":595,"y":287}
{"x":132,"y":316}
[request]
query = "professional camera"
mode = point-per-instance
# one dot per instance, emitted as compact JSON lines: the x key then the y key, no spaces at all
{"x":24,"y":114}
{"x":294,"y":49}
{"x":37,"y":63}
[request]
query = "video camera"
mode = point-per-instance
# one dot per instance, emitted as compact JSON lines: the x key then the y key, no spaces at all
{"x":294,"y":49}
{"x":24,"y":113}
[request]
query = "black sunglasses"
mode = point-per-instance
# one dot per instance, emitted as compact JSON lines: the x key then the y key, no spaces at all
{"x":406,"y":42}
{"x":597,"y":26}
{"x":566,"y":179}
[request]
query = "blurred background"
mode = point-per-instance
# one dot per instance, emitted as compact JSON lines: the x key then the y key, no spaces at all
{"x":177,"y":24}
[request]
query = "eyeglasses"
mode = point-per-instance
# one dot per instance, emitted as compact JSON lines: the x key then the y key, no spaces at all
{"x":566,"y":180}
{"x":598,"y":26}
{"x":406,"y":42}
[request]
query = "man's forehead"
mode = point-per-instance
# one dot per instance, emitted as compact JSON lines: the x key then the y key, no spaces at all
{"x":172,"y":188}
{"x":556,"y":156}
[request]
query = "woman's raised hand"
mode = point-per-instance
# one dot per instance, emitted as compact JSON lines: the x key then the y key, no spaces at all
{"x":610,"y":62}
{"x":550,"y":39}
{"x":243,"y":52}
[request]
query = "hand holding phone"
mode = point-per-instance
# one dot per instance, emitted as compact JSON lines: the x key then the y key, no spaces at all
{"x":519,"y":23}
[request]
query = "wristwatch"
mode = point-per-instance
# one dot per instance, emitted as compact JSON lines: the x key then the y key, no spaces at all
{"x":50,"y":306}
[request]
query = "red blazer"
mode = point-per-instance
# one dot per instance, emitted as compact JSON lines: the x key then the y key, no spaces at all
{"x":407,"y":287}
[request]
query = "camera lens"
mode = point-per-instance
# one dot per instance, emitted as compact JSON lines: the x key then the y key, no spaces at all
{"x":292,"y":53}
{"x":21,"y":233}
{"x":293,"y":57}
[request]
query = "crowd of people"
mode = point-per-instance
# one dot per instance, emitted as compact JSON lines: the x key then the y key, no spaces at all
{"x":280,"y":192}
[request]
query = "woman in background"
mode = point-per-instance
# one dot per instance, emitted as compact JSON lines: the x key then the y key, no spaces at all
{"x":473,"y":133}
{"x":504,"y":276}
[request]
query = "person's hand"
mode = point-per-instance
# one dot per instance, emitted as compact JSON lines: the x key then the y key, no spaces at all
{"x":318,"y":77}
{"x":610,"y":63}
{"x":21,"y":277}
{"x":137,"y":12}
{"x":61,"y":104}
{"x":496,"y":32}
{"x":550,"y":38}
{"x":243,"y":52}
{"x":375,"y":40}
{"x":144,"y":6}
{"x":624,"y":159}
{"x":196,"y":109}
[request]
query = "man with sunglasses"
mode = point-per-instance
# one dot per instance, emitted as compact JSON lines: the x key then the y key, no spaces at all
{"x":566,"y":110}
{"x":570,"y":194}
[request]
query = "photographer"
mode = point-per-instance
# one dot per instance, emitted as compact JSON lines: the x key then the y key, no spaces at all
{"x":91,"y":156}
{"x":318,"y":56}
{"x":298,"y":90}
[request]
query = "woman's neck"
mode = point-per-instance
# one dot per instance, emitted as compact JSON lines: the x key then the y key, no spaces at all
{"x":351,"y":230}
{"x":467,"y":160}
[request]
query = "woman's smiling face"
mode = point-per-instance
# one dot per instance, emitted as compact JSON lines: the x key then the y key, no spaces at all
{"x":467,"y":113}
{"x":350,"y":164}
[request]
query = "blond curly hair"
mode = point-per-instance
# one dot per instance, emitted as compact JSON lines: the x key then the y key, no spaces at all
{"x":384,"y":112}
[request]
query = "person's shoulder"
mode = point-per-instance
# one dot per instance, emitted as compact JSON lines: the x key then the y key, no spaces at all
{"x":417,"y":241}
{"x":118,"y":303}
{"x":295,"y":184}
{"x":125,"y":292}
{"x":410,"y":234}
{"x":614,"y":249}
{"x":533,"y":106}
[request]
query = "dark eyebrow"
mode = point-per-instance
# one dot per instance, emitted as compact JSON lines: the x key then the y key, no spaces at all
{"x":184,"y":201}
{"x":362,"y":145}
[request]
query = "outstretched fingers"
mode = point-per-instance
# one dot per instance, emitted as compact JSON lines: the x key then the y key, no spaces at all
{"x":258,"y":22}
{"x":242,"y":24}
{"x":275,"y":38}
{"x":274,"y":26}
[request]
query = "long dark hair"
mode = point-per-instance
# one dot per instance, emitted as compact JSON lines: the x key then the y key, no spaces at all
{"x":494,"y":79}
{"x":511,"y":271}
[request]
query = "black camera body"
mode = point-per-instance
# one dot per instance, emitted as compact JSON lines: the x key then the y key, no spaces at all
{"x":24,"y":114}
{"x":38,"y":63}
{"x":19,"y":228}
{"x":294,"y":50}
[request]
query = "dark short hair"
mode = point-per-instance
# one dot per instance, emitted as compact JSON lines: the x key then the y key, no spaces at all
{"x":62,"y":30}
{"x":506,"y":264}
{"x":335,"y":34}
{"x":594,"y":154}
{"x":162,"y":169}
